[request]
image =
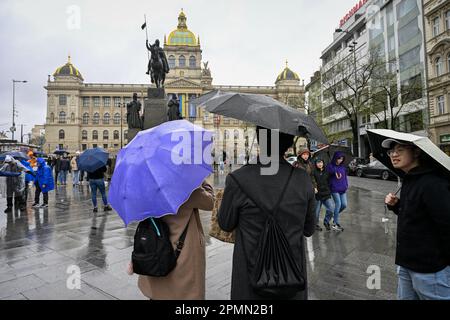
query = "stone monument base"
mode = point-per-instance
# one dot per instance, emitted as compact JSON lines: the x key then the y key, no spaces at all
{"x":155,"y":108}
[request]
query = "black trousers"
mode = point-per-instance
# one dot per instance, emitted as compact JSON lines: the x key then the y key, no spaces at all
{"x":17,"y":201}
{"x":37,"y":194}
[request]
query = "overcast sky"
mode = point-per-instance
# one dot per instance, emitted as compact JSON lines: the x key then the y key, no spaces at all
{"x":245,"y":41}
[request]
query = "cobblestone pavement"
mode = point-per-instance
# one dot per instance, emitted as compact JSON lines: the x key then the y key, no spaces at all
{"x":37,"y":247}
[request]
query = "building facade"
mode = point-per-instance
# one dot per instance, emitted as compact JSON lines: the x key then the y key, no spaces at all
{"x":437,"y":37}
{"x":393,"y":31}
{"x":84,"y":115}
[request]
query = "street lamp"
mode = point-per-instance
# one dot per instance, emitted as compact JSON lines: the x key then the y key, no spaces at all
{"x":13,"y":128}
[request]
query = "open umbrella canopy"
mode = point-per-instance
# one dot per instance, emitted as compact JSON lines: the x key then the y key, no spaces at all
{"x":92,"y":159}
{"x":263,"y":111}
{"x":436,"y":156}
{"x":61,"y":152}
{"x":159,"y":169}
{"x":327,"y":153}
{"x":40,"y":154}
{"x":15,"y":154}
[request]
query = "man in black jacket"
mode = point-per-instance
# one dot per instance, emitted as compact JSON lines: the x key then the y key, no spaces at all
{"x":323,"y":193}
{"x":423,"y":229}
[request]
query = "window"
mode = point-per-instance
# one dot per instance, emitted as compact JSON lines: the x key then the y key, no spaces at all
{"x":440,"y":102}
{"x":96,"y":119}
{"x":436,"y":22}
{"x":438,"y":66}
{"x":52,"y":117}
{"x":125,"y":135}
{"x":192,"y":62}
{"x":171,"y":61}
{"x":95,"y":135}
{"x":86,"y":102}
{"x":182,"y":61}
{"x":105,"y":146}
{"x":362,"y":31}
{"x":86,"y":118}
{"x":94,"y":145}
{"x":447,"y":20}
{"x":60,"y":147}
{"x":106,"y":118}
{"x":206,"y":116}
{"x":107,"y":102}
{"x":236,"y":134}
{"x":62,"y":117}
{"x":117,"y":118}
{"x":377,"y":29}
{"x":226,"y":135}
{"x":390,"y":14}
{"x":96,"y":102}
{"x":62,"y":100}
{"x":84,"y":147}
{"x":448,"y":62}
{"x":105,"y":135}
{"x":116,"y":135}
{"x":117,"y":101}
{"x":62,"y":135}
{"x":84,"y":135}
{"x":408,"y":32}
{"x":404,"y":7}
{"x":410,"y":58}
{"x":391,"y":43}
{"x":414,"y":121}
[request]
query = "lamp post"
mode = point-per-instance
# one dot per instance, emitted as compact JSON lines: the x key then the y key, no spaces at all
{"x":13,"y":128}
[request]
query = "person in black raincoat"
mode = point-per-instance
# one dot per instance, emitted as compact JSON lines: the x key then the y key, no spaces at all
{"x":295,"y":217}
{"x":423,"y":226}
{"x":323,"y":192}
{"x":15,"y":185}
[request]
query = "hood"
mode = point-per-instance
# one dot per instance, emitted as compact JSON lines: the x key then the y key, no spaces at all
{"x":337,"y":155}
{"x":41,"y":162}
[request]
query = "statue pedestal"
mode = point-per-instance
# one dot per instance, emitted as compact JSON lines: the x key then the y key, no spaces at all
{"x":155,"y":108}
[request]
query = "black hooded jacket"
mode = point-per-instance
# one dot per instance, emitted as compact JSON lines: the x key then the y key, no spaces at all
{"x":423,"y":228}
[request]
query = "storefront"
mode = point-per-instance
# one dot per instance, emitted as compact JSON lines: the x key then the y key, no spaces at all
{"x":444,"y":143}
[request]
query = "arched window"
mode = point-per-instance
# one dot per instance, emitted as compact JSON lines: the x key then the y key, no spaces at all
{"x":117,"y":118}
{"x":95,"y":135}
{"x":171,"y":61}
{"x":96,"y":119}
{"x":116,"y":135}
{"x":438,"y":63}
{"x":105,"y":135}
{"x":106,"y":118}
{"x":125,"y":135}
{"x":52,"y":117}
{"x":236,"y":134}
{"x":84,"y":135}
{"x":86,"y":118}
{"x":62,"y":135}
{"x":226,"y":135}
{"x":192,"y":62}
{"x":182,"y":61}
{"x":62,"y":117}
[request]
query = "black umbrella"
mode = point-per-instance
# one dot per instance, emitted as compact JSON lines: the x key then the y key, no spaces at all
{"x":61,"y":152}
{"x":327,"y":153}
{"x":40,"y":154}
{"x":263,"y":111}
{"x":435,"y":156}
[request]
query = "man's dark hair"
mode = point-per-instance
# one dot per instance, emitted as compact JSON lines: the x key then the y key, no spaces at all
{"x":286,"y":141}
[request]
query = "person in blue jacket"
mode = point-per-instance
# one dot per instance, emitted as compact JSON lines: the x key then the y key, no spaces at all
{"x":44,"y":183}
{"x":29,"y":177}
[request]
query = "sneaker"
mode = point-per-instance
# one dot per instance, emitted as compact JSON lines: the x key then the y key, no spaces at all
{"x":318,"y":228}
{"x":95,"y":210}
{"x":35,"y":205}
{"x":327,"y":226}
{"x":44,"y":205}
{"x":337,"y":227}
{"x":107,"y":208}
{"x":8,"y":209}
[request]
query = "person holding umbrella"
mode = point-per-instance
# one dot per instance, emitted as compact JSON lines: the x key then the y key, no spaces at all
{"x":423,"y":227}
{"x":44,"y":183}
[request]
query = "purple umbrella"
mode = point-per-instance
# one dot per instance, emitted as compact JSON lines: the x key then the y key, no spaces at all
{"x":159,"y":169}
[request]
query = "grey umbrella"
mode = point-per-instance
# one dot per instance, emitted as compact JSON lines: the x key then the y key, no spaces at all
{"x":263,"y":111}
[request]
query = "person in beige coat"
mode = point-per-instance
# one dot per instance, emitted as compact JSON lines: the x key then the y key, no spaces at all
{"x":187,"y":280}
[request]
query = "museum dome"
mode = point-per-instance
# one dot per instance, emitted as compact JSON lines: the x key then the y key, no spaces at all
{"x":287,"y":74}
{"x":68,"y":70}
{"x":181,"y":36}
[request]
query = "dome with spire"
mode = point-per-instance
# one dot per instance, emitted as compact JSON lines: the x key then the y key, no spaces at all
{"x":68,"y":70}
{"x":287,"y":74}
{"x":182,"y":36}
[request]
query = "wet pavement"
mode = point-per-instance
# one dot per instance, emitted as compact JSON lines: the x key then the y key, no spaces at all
{"x":39,"y":245}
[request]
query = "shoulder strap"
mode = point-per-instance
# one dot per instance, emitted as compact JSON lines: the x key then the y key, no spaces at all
{"x":180,"y":242}
{"x":277,"y":205}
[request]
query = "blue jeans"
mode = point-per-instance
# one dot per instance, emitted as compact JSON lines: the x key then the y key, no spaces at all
{"x":62,"y":175}
{"x":100,"y":185}
{"x":75,"y":177}
{"x":328,"y":203}
{"x":423,"y":286}
{"x":340,"y":203}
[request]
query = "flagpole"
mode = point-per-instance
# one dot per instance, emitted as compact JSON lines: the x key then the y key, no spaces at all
{"x":146,"y":35}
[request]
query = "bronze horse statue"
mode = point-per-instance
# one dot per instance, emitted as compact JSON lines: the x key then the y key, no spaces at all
{"x":157,"y":66}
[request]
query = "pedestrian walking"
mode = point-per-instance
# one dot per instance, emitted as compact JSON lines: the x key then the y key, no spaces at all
{"x":64,"y":169}
{"x":57,"y":166}
{"x":303,"y":161}
{"x":187,"y":280}
{"x":423,"y":227}
{"x":323,"y":193}
{"x":15,"y":185}
{"x":338,"y":187}
{"x":44,"y":183}
{"x":249,"y":196}
{"x":97,"y":182}
{"x":29,"y":178}
{"x":74,"y":168}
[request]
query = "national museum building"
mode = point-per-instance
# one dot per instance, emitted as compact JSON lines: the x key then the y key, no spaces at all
{"x":84,"y":115}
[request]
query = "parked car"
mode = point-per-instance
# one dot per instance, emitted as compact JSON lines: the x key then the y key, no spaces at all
{"x":375,"y":169}
{"x":353,"y":165}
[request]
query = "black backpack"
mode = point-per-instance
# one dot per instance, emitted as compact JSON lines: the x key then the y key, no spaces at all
{"x":153,"y":253}
{"x":276,"y":273}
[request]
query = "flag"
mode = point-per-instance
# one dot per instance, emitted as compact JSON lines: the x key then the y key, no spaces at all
{"x":144,"y":25}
